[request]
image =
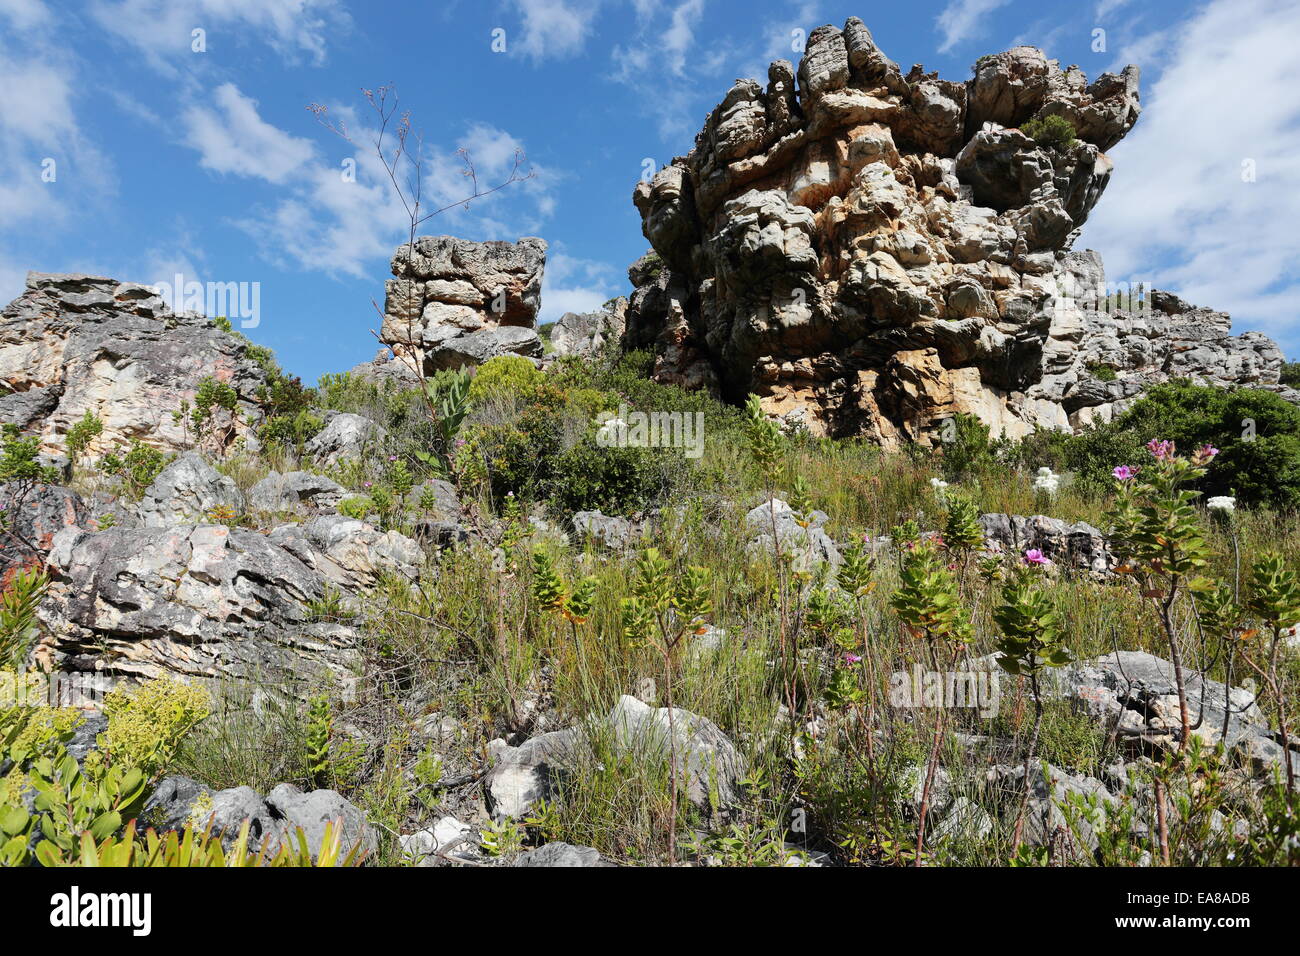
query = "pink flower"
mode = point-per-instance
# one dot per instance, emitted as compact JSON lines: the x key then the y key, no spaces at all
{"x":1124,"y":472}
{"x":1160,"y":450}
{"x":1206,"y":452}
{"x":366,"y":484}
{"x":1035,"y":556}
{"x":852,"y":658}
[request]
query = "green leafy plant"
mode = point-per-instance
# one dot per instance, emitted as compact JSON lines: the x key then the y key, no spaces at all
{"x":1055,"y":132}
{"x":18,"y":605}
{"x":146,"y":724}
{"x":1032,"y":640}
{"x":320,"y":728}
{"x":137,"y":469}
{"x":660,"y":613}
{"x":81,"y":434}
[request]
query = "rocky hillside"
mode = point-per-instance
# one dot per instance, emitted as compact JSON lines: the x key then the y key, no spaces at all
{"x":872,"y":251}
{"x":72,"y":344}
{"x":470,"y":605}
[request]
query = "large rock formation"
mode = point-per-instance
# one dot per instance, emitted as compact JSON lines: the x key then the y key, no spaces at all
{"x":872,"y":251}
{"x":454,"y":302}
{"x":586,"y":333}
{"x":75,"y":343}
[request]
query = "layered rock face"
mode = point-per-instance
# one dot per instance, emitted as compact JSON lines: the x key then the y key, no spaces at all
{"x":454,"y":302}
{"x":586,"y":333}
{"x":75,"y":343}
{"x":872,"y":251}
{"x":1098,"y":360}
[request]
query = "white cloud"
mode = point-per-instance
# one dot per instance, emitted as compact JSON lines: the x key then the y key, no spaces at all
{"x":161,"y":29}
{"x":339,"y":225}
{"x":1107,"y":7}
{"x":553,"y":29}
{"x":50,"y":166}
{"x":24,"y":14}
{"x":233,"y":138}
{"x":572,"y":284}
{"x":663,"y":65}
{"x":961,"y":20}
{"x":1177,"y":210}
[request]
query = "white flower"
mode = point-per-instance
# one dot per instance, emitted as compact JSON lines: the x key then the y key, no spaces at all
{"x":1047,"y":481}
{"x":938,"y":484}
{"x":1225,"y":503}
{"x":612,"y":432}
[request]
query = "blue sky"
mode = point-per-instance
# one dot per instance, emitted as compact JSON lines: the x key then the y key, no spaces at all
{"x":209,"y":163}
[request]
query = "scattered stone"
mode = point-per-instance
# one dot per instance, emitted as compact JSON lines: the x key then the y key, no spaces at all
{"x":344,"y":436}
{"x":806,"y":547}
{"x":178,"y":801}
{"x":614,"y":533}
{"x":295,"y":491}
{"x":186,"y":492}
{"x":561,"y":854}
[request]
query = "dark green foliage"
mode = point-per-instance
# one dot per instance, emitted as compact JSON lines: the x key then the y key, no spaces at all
{"x":1257,"y":432}
{"x":966,"y":446}
{"x":18,"y":458}
{"x":1054,"y":132}
{"x":614,"y":480}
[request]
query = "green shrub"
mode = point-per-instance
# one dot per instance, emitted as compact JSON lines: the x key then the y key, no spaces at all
{"x":18,"y":458}
{"x":81,"y":434}
{"x":1053,"y":132}
{"x":18,"y":606}
{"x":1103,"y":373}
{"x":1257,"y":432}
{"x":505,"y":374}
{"x":137,"y":469}
{"x":146,"y":724}
{"x":620,"y":481}
{"x":356,"y":507}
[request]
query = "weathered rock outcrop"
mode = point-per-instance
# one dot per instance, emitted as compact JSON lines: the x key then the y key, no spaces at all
{"x":872,"y":251}
{"x":586,"y":333}
{"x":454,"y":302}
{"x":178,"y":801}
{"x":75,"y":343}
{"x":205,"y":600}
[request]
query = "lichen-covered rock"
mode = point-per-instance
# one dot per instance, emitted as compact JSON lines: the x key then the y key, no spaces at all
{"x":30,"y":516}
{"x":345,"y":435}
{"x":886,"y":250}
{"x":197,"y":600}
{"x":1078,"y":545}
{"x":208,"y":601}
{"x":76,"y":343}
{"x":805,"y":546}
{"x":186,"y":492}
{"x":587,"y":333}
{"x":295,"y":491}
{"x":454,"y":302}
